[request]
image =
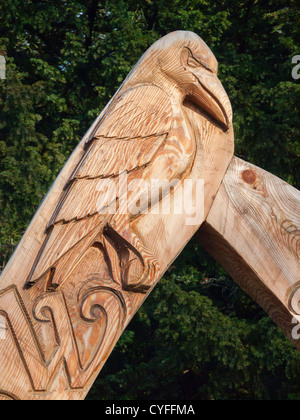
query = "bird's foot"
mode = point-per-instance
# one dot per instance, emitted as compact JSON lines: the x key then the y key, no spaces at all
{"x":138,"y":266}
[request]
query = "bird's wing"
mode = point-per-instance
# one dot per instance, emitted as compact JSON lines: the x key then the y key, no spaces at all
{"x":130,"y":135}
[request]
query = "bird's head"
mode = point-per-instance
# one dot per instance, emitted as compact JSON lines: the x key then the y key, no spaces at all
{"x":185,"y":62}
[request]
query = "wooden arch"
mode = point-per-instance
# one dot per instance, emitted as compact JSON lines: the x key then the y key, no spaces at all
{"x":156,"y":168}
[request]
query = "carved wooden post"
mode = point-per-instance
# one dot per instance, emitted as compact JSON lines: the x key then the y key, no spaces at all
{"x":99,"y":244}
{"x":122,"y":210}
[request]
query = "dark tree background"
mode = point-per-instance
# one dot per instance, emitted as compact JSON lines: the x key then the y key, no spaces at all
{"x":198,"y":336}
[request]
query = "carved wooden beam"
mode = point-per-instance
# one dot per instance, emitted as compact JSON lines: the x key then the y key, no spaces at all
{"x":253,"y":230}
{"x":101,"y":240}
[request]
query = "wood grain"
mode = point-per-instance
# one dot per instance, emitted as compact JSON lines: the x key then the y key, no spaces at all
{"x":81,"y":272}
{"x":253,"y":230}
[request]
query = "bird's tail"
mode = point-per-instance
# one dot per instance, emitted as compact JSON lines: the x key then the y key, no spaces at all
{"x":63,"y":247}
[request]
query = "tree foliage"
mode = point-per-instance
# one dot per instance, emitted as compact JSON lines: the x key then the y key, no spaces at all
{"x":198,"y":335}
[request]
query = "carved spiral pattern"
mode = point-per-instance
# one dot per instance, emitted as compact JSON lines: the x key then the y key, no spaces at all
{"x":42,"y":311}
{"x":102,"y":311}
{"x":294,"y":300}
{"x":94,"y":304}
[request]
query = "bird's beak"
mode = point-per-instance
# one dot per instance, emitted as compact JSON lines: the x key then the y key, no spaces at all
{"x":209,"y":93}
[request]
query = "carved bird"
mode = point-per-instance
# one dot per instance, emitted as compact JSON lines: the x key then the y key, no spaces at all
{"x":143,"y":134}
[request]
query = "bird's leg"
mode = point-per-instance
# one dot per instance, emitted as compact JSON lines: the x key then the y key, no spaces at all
{"x":139,"y":267}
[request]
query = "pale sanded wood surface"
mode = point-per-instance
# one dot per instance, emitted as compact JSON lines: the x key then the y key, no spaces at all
{"x":80,"y":273}
{"x":253,"y":230}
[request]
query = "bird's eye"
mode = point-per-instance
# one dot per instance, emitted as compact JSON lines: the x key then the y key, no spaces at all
{"x":193,"y":63}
